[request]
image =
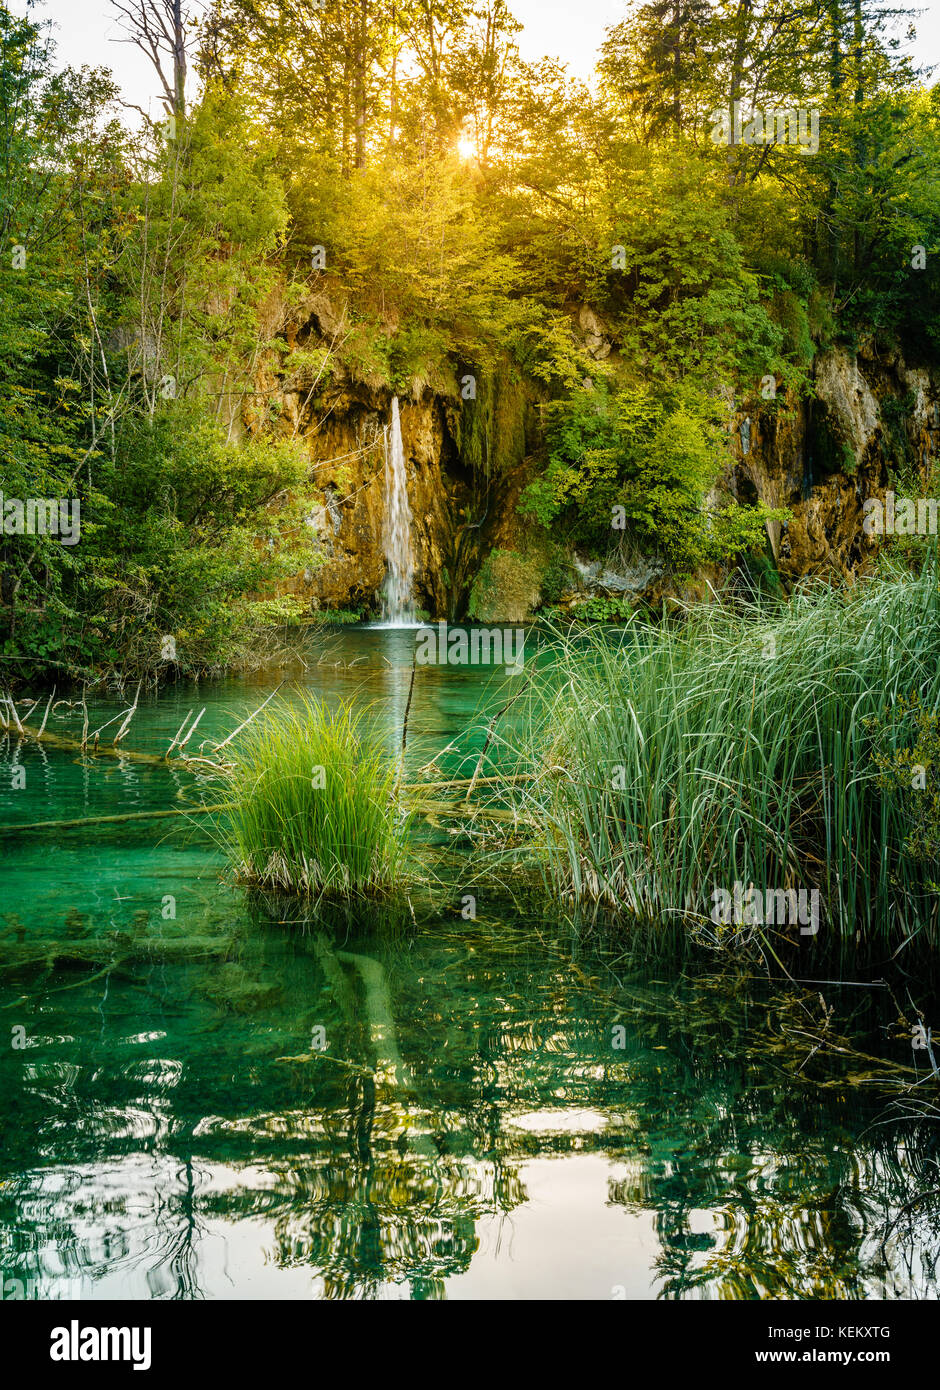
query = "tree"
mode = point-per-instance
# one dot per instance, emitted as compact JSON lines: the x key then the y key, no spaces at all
{"x":158,"y":29}
{"x":658,"y":61}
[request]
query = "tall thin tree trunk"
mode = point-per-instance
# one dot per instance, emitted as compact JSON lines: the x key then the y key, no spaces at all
{"x":859,"y":133}
{"x":393,"y":100}
{"x":361,"y":83}
{"x":737,"y":81}
{"x":179,"y":61}
{"x":830,"y":230}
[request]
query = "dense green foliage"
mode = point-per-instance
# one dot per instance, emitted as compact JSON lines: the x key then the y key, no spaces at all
{"x":643,"y":462}
{"x":130,"y":299}
{"x":457,"y":208}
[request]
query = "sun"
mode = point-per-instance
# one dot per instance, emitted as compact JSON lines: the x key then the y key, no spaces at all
{"x":467,"y":148}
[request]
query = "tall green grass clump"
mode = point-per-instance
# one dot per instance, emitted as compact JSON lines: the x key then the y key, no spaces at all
{"x":745,"y":745}
{"x":314,"y":805}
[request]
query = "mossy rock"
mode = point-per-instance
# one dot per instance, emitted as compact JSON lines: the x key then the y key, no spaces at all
{"x":507,"y":589}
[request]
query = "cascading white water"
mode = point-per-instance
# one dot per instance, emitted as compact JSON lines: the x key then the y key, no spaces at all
{"x":397,"y":600}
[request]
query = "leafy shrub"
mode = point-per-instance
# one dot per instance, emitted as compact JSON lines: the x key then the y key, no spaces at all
{"x":339,"y":617}
{"x":648,"y":459}
{"x":188,"y":539}
{"x":601,"y":609}
{"x":557,"y":574}
{"x":284,"y":611}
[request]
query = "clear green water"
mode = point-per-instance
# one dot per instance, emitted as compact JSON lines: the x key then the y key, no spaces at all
{"x":372,"y":1109}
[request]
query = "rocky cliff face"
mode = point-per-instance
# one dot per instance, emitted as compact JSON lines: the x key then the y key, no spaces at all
{"x":871,"y":423}
{"x":873,"y":417}
{"x":869,"y":417}
{"x":348,"y":469}
{"x":464,"y":459}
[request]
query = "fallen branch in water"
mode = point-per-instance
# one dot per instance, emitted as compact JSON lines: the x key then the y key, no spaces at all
{"x":411,"y":691}
{"x":489,"y":736}
{"x":100,"y":731}
{"x":46,"y":715}
{"x":107,"y":750}
{"x":437,"y":808}
{"x":192,"y":728}
{"x":130,"y":715}
{"x":468,"y":781}
{"x":115,"y":820}
{"x":180,"y":741}
{"x":325,"y":1057}
{"x":115,"y":951}
{"x":8,"y":699}
{"x":404,"y":727}
{"x":462,"y":811}
{"x":219,"y":746}
{"x":177,"y":734}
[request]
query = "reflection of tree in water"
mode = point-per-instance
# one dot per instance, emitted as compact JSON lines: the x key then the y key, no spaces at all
{"x":387,"y":1203}
{"x":383,"y":1214}
{"x":766,"y":1190}
{"x":828,"y":1247}
{"x":373,"y":1166}
{"x":180,"y":1258}
{"x":79,"y":1232}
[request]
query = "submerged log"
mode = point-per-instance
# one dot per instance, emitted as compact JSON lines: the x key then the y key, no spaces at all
{"x":105,"y":750}
{"x":115,"y":820}
{"x":115,"y":950}
{"x":462,"y":811}
{"x":421,"y":806}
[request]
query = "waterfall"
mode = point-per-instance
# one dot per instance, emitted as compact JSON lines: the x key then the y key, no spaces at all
{"x":397,"y":600}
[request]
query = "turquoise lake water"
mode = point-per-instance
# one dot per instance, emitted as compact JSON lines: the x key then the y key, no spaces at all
{"x":375,"y":1106}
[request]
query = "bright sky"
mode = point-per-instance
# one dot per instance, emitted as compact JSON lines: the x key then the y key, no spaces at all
{"x":566,"y":29}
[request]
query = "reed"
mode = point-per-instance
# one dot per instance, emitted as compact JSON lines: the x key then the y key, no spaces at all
{"x":741,"y":744}
{"x":314,"y":804}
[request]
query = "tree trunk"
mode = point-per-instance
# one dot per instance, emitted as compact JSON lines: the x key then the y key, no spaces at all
{"x":179,"y":61}
{"x":737,"y":79}
{"x":362,"y":60}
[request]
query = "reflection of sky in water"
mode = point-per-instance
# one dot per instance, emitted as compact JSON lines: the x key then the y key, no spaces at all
{"x":169,"y":1129}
